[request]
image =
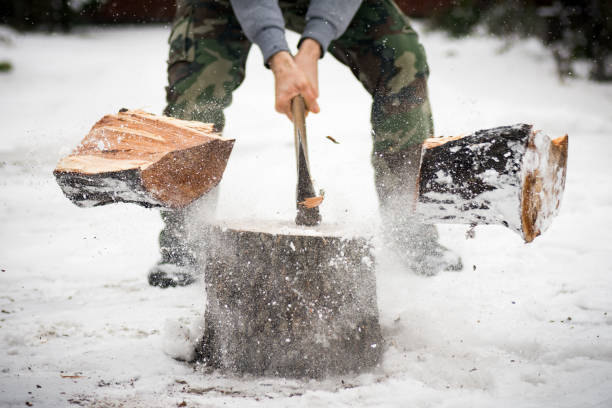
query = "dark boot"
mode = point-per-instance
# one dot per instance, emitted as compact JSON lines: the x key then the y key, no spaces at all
{"x":167,"y":275}
{"x":414,"y":242}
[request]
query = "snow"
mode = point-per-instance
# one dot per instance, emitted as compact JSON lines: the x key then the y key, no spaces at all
{"x":80,"y":325}
{"x":288,"y":227}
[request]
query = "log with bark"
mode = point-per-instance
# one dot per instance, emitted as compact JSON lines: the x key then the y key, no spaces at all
{"x":289,"y":301}
{"x":510,"y":175}
{"x":138,"y":157}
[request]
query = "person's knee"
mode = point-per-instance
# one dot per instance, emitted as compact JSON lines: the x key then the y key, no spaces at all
{"x":400,"y":128}
{"x":401,"y":112}
{"x":192,"y":99}
{"x":201,"y":89}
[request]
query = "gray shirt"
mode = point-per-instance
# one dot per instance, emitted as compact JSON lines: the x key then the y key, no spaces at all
{"x":263,"y":23}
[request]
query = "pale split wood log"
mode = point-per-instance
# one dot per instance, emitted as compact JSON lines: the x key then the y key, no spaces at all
{"x":290,"y":301}
{"x":508,"y":175}
{"x":150,"y":160}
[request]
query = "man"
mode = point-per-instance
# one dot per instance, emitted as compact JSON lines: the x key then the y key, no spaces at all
{"x":209,"y":44}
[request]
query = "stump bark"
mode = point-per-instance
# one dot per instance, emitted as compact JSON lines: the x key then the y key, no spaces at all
{"x":289,"y":301}
{"x":510,"y":175}
{"x":137,"y":157}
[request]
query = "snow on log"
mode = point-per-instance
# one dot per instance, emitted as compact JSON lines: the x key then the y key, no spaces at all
{"x":292,"y":301}
{"x":138,"y":157}
{"x":509,"y":175}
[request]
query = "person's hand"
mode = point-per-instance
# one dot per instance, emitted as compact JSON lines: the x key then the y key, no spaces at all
{"x":291,"y":81}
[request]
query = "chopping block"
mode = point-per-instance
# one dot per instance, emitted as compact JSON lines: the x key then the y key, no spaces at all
{"x":291,"y":301}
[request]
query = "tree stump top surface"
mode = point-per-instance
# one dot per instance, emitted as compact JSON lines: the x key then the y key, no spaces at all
{"x":282,"y":227}
{"x":134,"y":139}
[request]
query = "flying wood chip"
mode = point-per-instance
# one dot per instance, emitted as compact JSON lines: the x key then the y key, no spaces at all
{"x":332,"y":139}
{"x":312,"y":202}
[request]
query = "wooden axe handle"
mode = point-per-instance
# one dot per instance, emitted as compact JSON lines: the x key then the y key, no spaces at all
{"x":305,"y":189}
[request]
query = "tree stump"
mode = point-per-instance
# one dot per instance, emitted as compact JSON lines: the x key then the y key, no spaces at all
{"x":289,"y":301}
{"x":508,"y":175}
{"x":137,"y":157}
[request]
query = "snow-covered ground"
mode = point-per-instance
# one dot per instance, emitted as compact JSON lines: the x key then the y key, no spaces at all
{"x":521,"y":326}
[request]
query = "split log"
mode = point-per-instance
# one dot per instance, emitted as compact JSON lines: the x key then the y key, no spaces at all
{"x":509,"y":175}
{"x":138,"y":157}
{"x":289,"y":301}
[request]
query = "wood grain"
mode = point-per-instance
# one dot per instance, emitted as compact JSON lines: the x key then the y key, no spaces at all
{"x":138,"y":157}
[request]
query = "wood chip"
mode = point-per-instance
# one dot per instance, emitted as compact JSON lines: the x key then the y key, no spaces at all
{"x":312,"y":202}
{"x":332,"y":139}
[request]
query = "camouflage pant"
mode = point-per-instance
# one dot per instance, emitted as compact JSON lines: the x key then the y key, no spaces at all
{"x":208,"y":53}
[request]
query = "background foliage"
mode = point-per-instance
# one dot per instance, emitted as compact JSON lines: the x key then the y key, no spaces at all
{"x":572,"y":29}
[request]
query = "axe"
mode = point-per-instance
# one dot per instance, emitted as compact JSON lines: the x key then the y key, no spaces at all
{"x":306,"y":200}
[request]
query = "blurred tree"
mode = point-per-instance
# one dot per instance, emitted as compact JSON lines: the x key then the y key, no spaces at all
{"x":130,"y":12}
{"x":5,"y":66}
{"x":572,"y":29}
{"x":423,"y":8}
{"x":52,"y":15}
{"x":459,"y":19}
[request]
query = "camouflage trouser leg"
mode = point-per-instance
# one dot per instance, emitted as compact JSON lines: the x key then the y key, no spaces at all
{"x":208,"y":53}
{"x":173,"y":243}
{"x":383,"y":52}
{"x":385,"y":55}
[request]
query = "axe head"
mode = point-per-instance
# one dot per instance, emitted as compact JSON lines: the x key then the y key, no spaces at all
{"x":305,"y":188}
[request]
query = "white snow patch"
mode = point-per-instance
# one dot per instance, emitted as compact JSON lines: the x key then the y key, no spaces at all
{"x":177,"y":340}
{"x":443,"y":178}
